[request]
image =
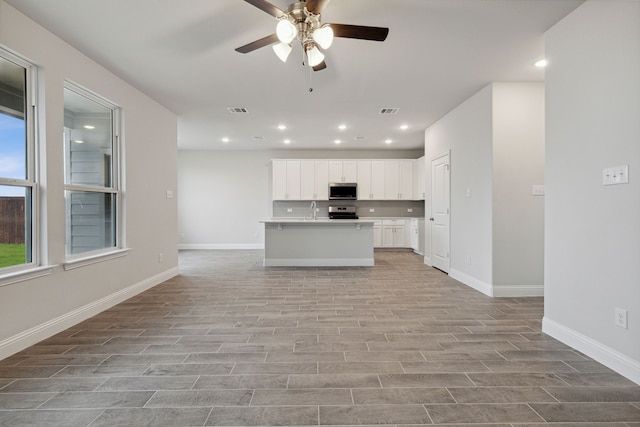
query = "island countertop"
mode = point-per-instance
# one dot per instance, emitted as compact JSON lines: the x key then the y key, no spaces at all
{"x":323,"y":220}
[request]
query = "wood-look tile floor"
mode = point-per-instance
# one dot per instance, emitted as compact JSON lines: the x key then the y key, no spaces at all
{"x":230,"y":343}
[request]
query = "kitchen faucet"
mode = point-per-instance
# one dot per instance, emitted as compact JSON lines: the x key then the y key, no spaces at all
{"x":314,"y":214}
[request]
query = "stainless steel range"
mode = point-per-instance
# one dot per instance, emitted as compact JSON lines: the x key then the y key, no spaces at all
{"x":342,"y":212}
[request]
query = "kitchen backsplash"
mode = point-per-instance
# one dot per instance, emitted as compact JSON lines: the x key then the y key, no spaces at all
{"x":382,"y":209}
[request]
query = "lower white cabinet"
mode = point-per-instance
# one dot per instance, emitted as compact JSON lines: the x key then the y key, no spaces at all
{"x":394,"y":233}
{"x":377,"y":234}
{"x":417,"y":235}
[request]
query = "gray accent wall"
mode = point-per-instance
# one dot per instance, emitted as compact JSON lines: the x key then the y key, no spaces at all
{"x":592,"y":235}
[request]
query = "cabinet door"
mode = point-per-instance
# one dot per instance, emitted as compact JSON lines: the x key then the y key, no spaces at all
{"x":350,"y":170}
{"x":377,"y":236}
{"x":392,"y":180}
{"x":279,"y":179}
{"x":322,"y":180}
{"x":335,"y":171}
{"x":308,"y":180}
{"x":377,"y":180}
{"x":405,"y":179}
{"x":387,"y":236}
{"x":419,"y":179}
{"x":293,"y":180}
{"x":364,"y":180}
{"x":399,"y":238}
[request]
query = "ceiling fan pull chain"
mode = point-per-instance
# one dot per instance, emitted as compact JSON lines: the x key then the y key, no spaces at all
{"x":310,"y":78}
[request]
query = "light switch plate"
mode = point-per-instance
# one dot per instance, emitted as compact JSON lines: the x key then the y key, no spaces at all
{"x":169,"y":194}
{"x":537,"y":190}
{"x":615,"y":175}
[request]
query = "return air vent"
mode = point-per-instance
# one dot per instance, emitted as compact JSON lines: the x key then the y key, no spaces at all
{"x":389,"y":110}
{"x":237,"y":110}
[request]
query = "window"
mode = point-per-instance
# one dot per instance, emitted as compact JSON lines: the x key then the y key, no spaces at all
{"x":91,"y":172}
{"x":18,"y":186}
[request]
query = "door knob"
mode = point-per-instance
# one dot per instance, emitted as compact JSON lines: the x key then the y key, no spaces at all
{"x":431,"y":219}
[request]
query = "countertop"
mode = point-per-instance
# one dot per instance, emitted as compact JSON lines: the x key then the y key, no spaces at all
{"x":322,"y":220}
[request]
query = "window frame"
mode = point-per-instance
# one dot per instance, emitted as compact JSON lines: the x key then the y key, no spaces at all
{"x":73,"y":261}
{"x":31,"y":182}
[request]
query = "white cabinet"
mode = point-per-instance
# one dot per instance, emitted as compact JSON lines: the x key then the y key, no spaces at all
{"x":377,"y":234}
{"x":314,"y":180}
{"x":286,"y":179}
{"x":417,"y":235}
{"x":343,"y":171}
{"x":419,"y":183}
{"x":371,"y":179}
{"x":398,"y":179}
{"x":394,"y":233}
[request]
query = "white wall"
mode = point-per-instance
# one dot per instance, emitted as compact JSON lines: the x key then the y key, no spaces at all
{"x":592,"y":231}
{"x":34,"y":309}
{"x":496,"y":139}
{"x":224,"y":194}
{"x":467,"y":132}
{"x":518,"y":164}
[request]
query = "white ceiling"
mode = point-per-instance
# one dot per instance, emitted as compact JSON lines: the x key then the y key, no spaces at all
{"x":181,"y":53}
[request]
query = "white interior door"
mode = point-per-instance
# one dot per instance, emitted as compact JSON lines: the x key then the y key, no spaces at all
{"x":440,"y":181}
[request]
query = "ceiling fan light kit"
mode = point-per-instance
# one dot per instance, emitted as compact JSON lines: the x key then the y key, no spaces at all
{"x":302,"y":21}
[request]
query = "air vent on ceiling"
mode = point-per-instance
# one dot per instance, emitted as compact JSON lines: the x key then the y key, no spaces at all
{"x":237,"y":110}
{"x":258,"y":138}
{"x":389,"y":110}
{"x":360,"y":138}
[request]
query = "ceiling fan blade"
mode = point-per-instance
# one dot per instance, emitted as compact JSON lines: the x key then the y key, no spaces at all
{"x":265,"y":6}
{"x":265,"y":41}
{"x":321,"y":66}
{"x":316,"y":6}
{"x":378,"y":34}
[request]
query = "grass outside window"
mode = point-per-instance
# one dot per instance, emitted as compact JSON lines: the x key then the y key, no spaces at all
{"x":12,"y":254}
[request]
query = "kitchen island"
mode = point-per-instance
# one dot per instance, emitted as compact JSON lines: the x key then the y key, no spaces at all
{"x":318,"y":243}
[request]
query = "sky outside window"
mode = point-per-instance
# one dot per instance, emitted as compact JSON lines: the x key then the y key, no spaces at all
{"x":12,"y":152}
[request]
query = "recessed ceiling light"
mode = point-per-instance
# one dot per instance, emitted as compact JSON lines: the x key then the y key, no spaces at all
{"x":282,"y":127}
{"x":225,"y":139}
{"x":338,"y":141}
{"x":388,"y":141}
{"x":342,"y":127}
{"x":78,"y":141}
{"x":404,"y":127}
{"x":287,"y":141}
{"x":89,"y":127}
{"x":541,"y":63}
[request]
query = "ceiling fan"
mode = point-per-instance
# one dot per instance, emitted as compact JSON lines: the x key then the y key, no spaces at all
{"x":302,"y":21}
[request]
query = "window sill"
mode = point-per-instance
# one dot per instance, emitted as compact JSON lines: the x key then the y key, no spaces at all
{"x":94,"y":259}
{"x":24,"y":275}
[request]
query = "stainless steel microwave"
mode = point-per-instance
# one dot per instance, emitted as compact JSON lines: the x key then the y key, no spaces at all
{"x":343,"y":191}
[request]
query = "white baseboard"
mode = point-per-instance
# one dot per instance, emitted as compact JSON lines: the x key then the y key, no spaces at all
{"x":609,"y":357}
{"x":518,"y":291}
{"x":210,"y":246}
{"x":319,"y":262}
{"x":47,"y":329}
{"x":427,"y":261}
{"x":472,"y":282}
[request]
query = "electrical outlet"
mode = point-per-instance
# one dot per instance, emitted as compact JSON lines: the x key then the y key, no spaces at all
{"x":289,"y":210}
{"x":409,"y":210}
{"x":372,"y":210}
{"x":620,"y":318}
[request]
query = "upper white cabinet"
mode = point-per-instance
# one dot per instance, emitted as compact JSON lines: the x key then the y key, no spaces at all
{"x":398,"y":180}
{"x":383,"y":179}
{"x":343,"y":170}
{"x":286,"y":179}
{"x":314,"y":180}
{"x":371,"y":179}
{"x":419,"y":183}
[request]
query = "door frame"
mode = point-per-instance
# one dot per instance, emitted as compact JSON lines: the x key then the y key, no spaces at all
{"x":432,"y":159}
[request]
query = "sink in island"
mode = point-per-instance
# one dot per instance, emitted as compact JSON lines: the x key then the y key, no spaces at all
{"x":292,"y":242}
